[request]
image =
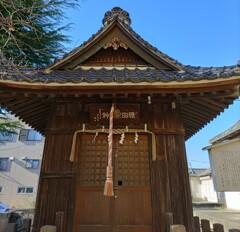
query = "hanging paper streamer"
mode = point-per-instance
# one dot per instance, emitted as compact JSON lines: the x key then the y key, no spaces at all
{"x":122,"y":138}
{"x":108,"y":188}
{"x":115,"y":131}
{"x":136,"y":138}
{"x":95,"y":137}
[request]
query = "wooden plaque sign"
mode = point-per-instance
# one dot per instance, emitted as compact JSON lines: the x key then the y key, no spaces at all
{"x":124,"y":114}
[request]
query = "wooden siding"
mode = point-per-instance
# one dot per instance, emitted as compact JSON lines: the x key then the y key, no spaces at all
{"x":170,"y":184}
{"x":56,"y":191}
{"x":117,"y":57}
{"x":169,"y":176}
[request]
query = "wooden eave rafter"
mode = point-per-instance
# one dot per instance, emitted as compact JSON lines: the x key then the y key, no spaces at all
{"x":115,"y":29}
{"x":198,"y":105}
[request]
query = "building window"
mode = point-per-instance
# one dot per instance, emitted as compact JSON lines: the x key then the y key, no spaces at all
{"x":3,"y":164}
{"x":29,"y":190}
{"x":25,"y":190}
{"x":32,"y":163}
{"x":5,"y":136}
{"x":29,"y":135}
{"x":21,"y":190}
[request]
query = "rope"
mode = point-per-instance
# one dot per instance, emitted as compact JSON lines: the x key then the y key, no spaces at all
{"x":108,"y":187}
{"x":110,"y":137}
{"x":115,"y":132}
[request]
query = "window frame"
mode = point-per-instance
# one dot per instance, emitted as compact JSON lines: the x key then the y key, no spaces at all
{"x":6,"y":167}
{"x":6,"y":137}
{"x":31,"y":161}
{"x":29,"y":135}
{"x":25,"y":190}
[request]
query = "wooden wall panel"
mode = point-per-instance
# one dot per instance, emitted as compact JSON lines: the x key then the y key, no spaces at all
{"x":57,"y":179}
{"x":66,"y":115}
{"x":131,"y":211}
{"x":169,"y":173}
{"x":92,"y":207}
{"x":56,"y":154}
{"x":170,"y":183}
{"x":55,"y":195}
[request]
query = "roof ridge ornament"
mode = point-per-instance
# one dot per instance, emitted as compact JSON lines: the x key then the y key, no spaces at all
{"x":116,"y":13}
{"x":115,"y":43}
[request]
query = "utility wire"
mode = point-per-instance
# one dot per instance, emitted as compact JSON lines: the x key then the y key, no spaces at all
{"x":198,"y":161}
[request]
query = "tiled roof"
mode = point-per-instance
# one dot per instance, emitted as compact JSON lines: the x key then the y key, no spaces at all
{"x":122,"y":75}
{"x":232,"y":132}
{"x":118,"y":18}
{"x":197,"y":89}
{"x":196,"y":171}
{"x":206,"y":172}
{"x":199,"y":172}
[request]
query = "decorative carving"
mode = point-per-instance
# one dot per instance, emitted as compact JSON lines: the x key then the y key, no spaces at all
{"x":115,"y":43}
{"x":117,"y":13}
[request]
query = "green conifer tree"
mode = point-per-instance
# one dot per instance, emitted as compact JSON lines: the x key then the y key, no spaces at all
{"x":32,"y":31}
{"x":7,"y":126}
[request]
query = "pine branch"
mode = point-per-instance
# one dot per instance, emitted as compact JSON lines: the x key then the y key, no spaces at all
{"x":31,"y":31}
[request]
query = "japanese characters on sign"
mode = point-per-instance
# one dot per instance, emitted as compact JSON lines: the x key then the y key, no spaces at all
{"x":124,"y":114}
{"x":226,"y":166}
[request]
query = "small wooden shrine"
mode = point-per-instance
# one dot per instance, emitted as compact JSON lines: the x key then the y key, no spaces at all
{"x":117,"y":102}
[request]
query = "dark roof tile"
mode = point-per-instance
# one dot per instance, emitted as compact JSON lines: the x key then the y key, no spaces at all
{"x":232,"y":132}
{"x":122,"y":75}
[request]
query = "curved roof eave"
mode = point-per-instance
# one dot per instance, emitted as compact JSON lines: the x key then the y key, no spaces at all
{"x":169,"y":87}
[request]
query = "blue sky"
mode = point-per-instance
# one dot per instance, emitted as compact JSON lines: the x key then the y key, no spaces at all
{"x":200,"y":33}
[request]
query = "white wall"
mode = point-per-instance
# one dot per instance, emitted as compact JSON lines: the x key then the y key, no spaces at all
{"x":195,"y":185}
{"x":233,"y":200}
{"x":17,"y":175}
{"x":208,"y":192}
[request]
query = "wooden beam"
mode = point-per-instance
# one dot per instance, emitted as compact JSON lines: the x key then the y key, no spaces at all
{"x":191,"y":112}
{"x":12,"y":102}
{"x":194,"y":120}
{"x":24,"y":106}
{"x":208,"y":105}
{"x":216,"y":102}
{"x":35,"y":111}
{"x":198,"y":108}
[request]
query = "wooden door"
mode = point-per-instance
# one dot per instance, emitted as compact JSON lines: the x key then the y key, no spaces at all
{"x":130,"y":209}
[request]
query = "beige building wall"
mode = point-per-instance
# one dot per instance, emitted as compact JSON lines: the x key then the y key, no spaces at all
{"x":21,"y":173}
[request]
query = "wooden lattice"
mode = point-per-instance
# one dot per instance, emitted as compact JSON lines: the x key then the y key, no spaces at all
{"x":130,"y":163}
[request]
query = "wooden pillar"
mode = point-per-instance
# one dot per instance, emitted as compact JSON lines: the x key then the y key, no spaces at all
{"x":11,"y":227}
{"x":197,"y":224}
{"x":218,"y":227}
{"x":27,"y":224}
{"x":170,"y":181}
{"x":205,"y":225}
